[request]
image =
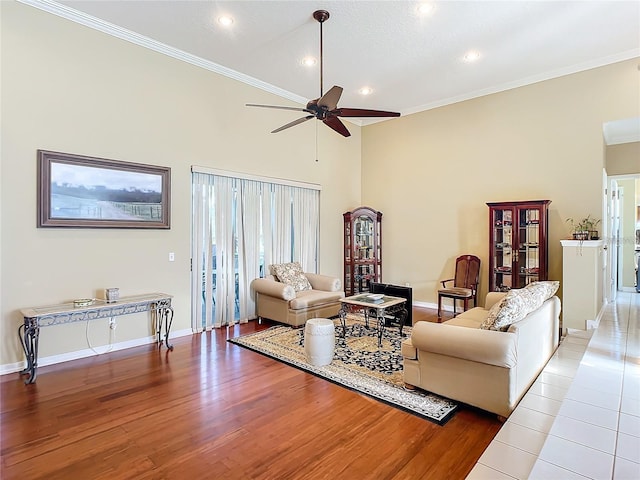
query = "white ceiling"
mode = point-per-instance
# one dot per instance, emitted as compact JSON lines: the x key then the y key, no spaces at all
{"x":411,"y":62}
{"x":622,"y":131}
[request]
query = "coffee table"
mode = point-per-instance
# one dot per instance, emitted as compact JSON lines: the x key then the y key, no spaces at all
{"x":377,"y":306}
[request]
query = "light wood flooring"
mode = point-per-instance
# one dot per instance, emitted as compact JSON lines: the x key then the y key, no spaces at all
{"x":211,"y":409}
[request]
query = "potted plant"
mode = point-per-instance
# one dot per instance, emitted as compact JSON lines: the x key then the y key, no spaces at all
{"x":585,"y":229}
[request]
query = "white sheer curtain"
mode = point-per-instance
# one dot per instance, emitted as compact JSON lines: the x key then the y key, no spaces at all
{"x":281,"y":224}
{"x":202,"y":283}
{"x":248,"y":234}
{"x":241,"y":225}
{"x":225,"y":250}
{"x":267,"y":226}
{"x":306,"y":223}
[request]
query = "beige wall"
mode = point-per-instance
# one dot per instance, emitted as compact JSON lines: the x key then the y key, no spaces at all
{"x":623,"y":159}
{"x":432,"y":173}
{"x":68,"y":88}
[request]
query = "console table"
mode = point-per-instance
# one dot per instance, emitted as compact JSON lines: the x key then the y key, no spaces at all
{"x":36,"y":317}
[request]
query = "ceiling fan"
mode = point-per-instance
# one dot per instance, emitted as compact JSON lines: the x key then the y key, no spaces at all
{"x":326,"y":108}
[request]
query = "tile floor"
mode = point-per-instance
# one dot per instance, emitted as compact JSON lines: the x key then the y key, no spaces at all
{"x":581,"y":418}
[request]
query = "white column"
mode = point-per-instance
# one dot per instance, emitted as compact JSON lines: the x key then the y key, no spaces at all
{"x":581,"y":282}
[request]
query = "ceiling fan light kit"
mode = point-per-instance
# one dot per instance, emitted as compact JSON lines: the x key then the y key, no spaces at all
{"x":325,"y":108}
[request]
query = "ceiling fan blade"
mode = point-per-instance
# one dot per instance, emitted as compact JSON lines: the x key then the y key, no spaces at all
{"x":296,"y":109}
{"x":294,"y":123}
{"x":362,"y":112}
{"x":337,"y":125}
{"x":330,"y":99}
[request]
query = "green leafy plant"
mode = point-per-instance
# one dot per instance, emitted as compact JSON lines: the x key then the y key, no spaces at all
{"x":584,"y":229}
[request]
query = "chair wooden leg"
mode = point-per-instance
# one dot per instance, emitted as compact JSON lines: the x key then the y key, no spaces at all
{"x":439,"y":308}
{"x":454,"y":307}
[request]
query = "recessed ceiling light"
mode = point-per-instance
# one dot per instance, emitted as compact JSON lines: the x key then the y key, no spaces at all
{"x":309,"y":61}
{"x":366,"y":91}
{"x":225,"y":20}
{"x":426,"y":8}
{"x":471,"y":56}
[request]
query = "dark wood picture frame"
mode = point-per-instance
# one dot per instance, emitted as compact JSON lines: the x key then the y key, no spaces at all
{"x":88,"y":192}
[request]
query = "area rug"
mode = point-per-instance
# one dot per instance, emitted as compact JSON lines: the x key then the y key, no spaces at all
{"x":358,"y":364}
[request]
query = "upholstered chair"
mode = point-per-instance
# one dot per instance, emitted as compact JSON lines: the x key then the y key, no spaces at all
{"x":292,"y":296}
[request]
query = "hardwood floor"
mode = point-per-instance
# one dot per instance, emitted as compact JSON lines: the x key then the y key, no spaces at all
{"x":211,"y":409}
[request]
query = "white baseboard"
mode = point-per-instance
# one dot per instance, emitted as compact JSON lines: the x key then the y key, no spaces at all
{"x":87,"y":352}
{"x":430,"y":305}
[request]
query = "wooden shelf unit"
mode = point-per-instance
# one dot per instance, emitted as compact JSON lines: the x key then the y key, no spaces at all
{"x":518,"y":243}
{"x":362,"y":249}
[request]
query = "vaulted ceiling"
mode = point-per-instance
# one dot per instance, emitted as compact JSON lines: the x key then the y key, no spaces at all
{"x":410,"y":60}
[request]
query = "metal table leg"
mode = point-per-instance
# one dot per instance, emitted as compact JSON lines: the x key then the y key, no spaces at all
{"x":164,"y":313}
{"x":402,"y":317}
{"x":343,"y":321}
{"x":381,"y":321}
{"x":29,"y":333}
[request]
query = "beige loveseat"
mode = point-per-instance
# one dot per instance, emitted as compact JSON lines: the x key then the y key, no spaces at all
{"x":489,"y":369}
{"x":281,"y":302}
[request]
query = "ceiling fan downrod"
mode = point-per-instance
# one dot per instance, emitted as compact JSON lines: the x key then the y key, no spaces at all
{"x":321,"y":16}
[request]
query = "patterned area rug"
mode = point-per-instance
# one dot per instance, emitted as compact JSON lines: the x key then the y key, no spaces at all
{"x":359,"y":365}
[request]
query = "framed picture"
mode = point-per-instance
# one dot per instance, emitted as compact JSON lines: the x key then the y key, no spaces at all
{"x":79,"y":191}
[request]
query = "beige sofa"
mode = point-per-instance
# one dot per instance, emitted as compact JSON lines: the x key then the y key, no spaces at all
{"x":488,"y":369}
{"x":280,"y":302}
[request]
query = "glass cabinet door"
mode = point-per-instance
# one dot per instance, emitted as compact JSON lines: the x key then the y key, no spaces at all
{"x":364,"y":237}
{"x":502,"y":251}
{"x":364,"y":250}
{"x":517,"y":244}
{"x":528,"y":254}
{"x":348,"y":264}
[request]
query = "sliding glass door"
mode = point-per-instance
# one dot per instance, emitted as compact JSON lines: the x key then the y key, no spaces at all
{"x":240,"y":227}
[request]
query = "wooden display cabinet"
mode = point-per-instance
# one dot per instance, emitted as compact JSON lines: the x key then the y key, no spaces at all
{"x":518,"y":243}
{"x":362,"y":249}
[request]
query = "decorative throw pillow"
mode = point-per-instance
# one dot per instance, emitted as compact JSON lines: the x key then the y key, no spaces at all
{"x":291,"y":274}
{"x":544,"y":290}
{"x":493,"y":313}
{"x":512,"y":308}
{"x":517,"y":304}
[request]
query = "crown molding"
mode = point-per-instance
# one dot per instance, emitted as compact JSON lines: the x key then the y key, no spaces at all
{"x":523,"y":82}
{"x":90,"y":21}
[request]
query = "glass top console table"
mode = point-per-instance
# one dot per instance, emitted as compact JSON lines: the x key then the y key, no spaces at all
{"x":379,"y":306}
{"x":45,"y":316}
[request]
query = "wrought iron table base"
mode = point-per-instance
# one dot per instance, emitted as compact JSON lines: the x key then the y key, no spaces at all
{"x":29,"y":333}
{"x":380,"y":314}
{"x":164,"y":315}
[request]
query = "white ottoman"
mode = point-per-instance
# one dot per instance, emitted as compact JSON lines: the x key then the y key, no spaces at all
{"x":319,"y":341}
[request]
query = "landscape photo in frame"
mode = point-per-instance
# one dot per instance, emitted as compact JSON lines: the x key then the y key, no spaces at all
{"x":81,"y":191}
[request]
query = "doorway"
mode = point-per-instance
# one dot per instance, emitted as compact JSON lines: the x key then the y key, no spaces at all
{"x":621,"y":205}
{"x":623,"y":226}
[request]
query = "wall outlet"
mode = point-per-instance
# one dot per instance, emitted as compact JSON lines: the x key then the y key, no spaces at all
{"x":172,"y":256}
{"x":112,"y":324}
